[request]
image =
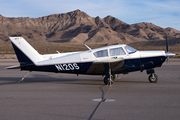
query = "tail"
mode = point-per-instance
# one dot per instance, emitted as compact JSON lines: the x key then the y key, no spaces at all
{"x":25,"y":53}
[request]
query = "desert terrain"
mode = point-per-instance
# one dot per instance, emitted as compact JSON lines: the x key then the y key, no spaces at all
{"x":68,"y":32}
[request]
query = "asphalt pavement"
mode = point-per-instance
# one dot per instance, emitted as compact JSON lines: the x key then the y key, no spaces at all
{"x":56,"y":96}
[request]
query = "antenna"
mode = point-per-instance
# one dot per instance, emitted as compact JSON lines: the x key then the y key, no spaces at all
{"x":58,"y":52}
{"x":88,"y":47}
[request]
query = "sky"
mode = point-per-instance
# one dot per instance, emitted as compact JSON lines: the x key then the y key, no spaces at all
{"x":163,"y":13}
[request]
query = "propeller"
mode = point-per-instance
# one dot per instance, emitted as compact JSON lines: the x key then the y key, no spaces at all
{"x":168,"y":54}
{"x":167,"y":49}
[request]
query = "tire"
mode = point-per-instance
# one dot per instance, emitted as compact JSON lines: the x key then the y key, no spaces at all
{"x":113,"y":77}
{"x":153,"y":78}
{"x":105,"y":82}
{"x":108,"y":82}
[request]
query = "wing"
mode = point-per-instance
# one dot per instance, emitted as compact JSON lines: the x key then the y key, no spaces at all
{"x":98,"y":67}
{"x":109,"y":60}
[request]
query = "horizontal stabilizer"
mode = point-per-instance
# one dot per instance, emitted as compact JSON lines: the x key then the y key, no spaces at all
{"x":13,"y":67}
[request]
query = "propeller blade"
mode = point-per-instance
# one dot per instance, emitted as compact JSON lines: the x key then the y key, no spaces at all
{"x":168,"y":61}
{"x":167,"y":49}
{"x":168,"y":55}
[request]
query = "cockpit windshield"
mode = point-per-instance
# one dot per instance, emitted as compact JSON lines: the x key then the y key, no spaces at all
{"x":130,"y":50}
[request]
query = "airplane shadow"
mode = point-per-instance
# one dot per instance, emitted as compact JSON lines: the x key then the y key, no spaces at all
{"x":49,"y":79}
{"x":128,"y":81}
{"x":64,"y":79}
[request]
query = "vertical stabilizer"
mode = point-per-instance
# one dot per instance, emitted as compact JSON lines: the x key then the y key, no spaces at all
{"x":25,"y":53}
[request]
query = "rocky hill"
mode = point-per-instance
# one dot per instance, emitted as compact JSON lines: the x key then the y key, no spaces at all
{"x":78,"y":27}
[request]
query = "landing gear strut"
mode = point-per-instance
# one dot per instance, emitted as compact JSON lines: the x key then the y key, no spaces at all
{"x":109,"y":78}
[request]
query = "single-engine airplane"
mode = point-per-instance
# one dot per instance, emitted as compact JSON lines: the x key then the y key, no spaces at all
{"x":108,"y":61}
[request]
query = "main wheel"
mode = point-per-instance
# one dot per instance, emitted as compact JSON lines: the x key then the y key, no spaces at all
{"x":107,"y":81}
{"x":113,"y":77}
{"x":153,"y":78}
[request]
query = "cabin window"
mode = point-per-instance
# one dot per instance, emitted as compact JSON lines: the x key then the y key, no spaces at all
{"x":130,"y":49}
{"x":117,"y":51}
{"x":102,"y":53}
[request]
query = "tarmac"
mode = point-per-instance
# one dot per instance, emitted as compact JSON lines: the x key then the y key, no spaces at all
{"x":56,"y":96}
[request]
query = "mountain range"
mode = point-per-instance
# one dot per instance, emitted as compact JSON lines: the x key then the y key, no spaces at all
{"x":78,"y":27}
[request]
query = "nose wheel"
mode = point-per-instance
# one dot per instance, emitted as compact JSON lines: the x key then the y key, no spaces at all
{"x":153,"y":78}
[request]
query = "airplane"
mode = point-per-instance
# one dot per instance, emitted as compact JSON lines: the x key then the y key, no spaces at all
{"x":107,"y":61}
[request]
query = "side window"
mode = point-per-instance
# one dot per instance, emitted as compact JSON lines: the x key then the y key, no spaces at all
{"x":116,"y":51}
{"x":102,"y":53}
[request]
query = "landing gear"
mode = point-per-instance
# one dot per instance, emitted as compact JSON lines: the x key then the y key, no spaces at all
{"x":109,"y":78}
{"x":153,"y":78}
{"x":108,"y":81}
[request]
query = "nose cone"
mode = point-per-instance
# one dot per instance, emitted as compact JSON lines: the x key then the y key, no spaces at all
{"x":169,"y":54}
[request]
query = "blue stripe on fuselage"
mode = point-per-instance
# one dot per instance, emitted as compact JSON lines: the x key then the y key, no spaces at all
{"x":139,"y":64}
{"x":152,"y":62}
{"x":130,"y":65}
{"x":76,"y":68}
